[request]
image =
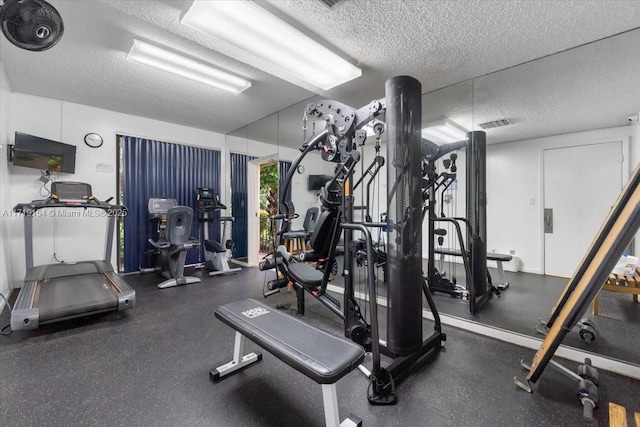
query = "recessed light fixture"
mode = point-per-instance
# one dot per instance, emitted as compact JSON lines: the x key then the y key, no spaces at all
{"x":163,"y":59}
{"x":249,"y":27}
{"x":443,"y":132}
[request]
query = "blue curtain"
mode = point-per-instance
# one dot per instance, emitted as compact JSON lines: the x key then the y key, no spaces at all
{"x":160,"y":169}
{"x":239,"y":233}
{"x":283,"y":169}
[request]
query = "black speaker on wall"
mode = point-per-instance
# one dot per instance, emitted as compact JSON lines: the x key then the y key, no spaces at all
{"x":31,"y":24}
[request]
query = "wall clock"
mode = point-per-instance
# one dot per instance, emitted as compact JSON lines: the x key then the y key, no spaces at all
{"x":93,"y":140}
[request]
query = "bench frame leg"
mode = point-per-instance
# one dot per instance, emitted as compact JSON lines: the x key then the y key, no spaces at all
{"x":331,"y":412}
{"x":501,"y":277}
{"x":330,"y":400}
{"x":238,"y":363}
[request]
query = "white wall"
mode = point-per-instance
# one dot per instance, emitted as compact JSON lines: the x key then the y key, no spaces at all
{"x":5,"y":197}
{"x":514,"y":180}
{"x":635,"y":161}
{"x":68,"y":123}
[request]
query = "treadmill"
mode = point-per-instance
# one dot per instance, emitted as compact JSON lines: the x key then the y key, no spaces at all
{"x":56,"y":292}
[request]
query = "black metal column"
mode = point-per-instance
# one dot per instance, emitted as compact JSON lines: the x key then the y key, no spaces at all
{"x":476,"y":198}
{"x":404,"y":208}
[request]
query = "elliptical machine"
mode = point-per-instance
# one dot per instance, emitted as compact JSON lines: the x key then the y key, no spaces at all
{"x":215,"y":254}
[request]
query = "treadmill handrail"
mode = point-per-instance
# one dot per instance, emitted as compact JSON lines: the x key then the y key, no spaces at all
{"x":52,"y":202}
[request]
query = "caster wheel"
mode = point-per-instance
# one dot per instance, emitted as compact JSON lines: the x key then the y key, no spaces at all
{"x":588,"y":334}
{"x":588,"y":372}
{"x":587,"y":330}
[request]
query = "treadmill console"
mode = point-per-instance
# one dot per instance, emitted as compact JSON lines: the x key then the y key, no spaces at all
{"x":71,"y":192}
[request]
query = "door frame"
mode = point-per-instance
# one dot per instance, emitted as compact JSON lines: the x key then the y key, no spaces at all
{"x":253,"y":205}
{"x":570,"y":143}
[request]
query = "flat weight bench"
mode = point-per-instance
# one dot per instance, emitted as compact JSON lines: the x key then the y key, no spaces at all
{"x":498,"y":258}
{"x":323,"y":357}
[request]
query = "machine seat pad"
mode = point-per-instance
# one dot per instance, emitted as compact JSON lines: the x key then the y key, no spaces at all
{"x":296,"y":234}
{"x":323,"y":357}
{"x":305,"y":274}
{"x":160,"y":244}
{"x":491,"y":256}
{"x":213,"y":246}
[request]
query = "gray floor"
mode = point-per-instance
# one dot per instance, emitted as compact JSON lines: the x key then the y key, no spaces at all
{"x":530,"y":297}
{"x":149,"y":367}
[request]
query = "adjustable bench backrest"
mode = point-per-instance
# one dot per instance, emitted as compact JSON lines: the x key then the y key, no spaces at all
{"x":325,"y":231}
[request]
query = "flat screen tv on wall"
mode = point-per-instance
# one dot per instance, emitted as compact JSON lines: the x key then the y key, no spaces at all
{"x":44,"y":154}
{"x":316,"y":182}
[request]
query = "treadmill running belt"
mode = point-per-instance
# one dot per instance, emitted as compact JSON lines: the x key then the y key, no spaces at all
{"x":71,"y":296}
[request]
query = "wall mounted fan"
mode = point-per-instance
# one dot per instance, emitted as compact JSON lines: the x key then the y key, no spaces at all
{"x":31,"y":24}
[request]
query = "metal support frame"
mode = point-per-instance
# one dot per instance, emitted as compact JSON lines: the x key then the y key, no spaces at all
{"x":111,"y":226}
{"x":238,"y":363}
{"x":28,"y":240}
{"x":331,"y":411}
{"x":330,"y":401}
{"x":329,"y":392}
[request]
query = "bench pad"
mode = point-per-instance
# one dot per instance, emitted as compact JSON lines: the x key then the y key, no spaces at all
{"x":323,"y":357}
{"x":491,"y":256}
{"x":305,"y":274}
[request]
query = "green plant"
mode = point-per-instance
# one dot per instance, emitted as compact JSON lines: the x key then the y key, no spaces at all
{"x":269,"y":181}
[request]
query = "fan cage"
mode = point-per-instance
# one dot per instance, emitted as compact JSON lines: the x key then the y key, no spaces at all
{"x":21,"y":33}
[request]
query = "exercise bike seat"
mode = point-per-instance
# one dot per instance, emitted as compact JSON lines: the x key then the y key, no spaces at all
{"x":160,"y":244}
{"x":213,"y":246}
{"x":178,"y":231}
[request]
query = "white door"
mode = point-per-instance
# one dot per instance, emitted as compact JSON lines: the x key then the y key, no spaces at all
{"x":580,"y":186}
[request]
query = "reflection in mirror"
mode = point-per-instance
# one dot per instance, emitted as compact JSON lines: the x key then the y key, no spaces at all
{"x":538,"y":118}
{"x":291,"y":136}
{"x":246,"y":150}
{"x":262,"y":185}
{"x":236,"y":145}
{"x":557,"y":129}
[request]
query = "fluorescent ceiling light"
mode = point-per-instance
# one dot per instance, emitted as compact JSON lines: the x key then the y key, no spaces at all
{"x":443,"y":132}
{"x":247,"y":26}
{"x":148,"y":54}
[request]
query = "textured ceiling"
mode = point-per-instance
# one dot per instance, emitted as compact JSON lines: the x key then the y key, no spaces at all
{"x":438,"y":42}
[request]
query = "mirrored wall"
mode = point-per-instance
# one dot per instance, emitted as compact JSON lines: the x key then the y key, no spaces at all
{"x":558,"y":138}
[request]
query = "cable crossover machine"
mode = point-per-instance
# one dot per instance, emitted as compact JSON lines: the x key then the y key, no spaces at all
{"x":341,"y":142}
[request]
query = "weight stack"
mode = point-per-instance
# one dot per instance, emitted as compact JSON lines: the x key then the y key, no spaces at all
{"x":476,"y":198}
{"x":404,"y":209}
